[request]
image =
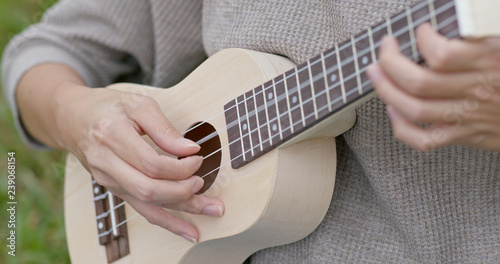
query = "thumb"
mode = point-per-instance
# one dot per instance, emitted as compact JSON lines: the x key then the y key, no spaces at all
{"x":153,"y":122}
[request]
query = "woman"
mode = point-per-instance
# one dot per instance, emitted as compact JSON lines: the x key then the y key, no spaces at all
{"x":392,"y":202}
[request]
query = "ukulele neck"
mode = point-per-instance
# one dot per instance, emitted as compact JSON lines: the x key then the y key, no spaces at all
{"x":295,"y":101}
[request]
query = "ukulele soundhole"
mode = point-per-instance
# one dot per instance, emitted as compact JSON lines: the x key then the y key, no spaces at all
{"x":206,"y":136}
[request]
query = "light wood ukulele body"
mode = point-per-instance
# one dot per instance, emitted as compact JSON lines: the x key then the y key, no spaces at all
{"x":276,"y":199}
{"x":278,"y":191}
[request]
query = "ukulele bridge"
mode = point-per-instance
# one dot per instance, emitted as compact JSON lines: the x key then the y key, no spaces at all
{"x":111,"y":223}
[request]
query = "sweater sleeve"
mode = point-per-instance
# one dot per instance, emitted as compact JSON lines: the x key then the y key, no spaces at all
{"x":103,"y":41}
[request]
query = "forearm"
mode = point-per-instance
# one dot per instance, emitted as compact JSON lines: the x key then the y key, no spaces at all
{"x":39,"y":95}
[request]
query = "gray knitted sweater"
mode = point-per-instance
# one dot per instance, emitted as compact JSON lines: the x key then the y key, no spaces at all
{"x":391,"y":204}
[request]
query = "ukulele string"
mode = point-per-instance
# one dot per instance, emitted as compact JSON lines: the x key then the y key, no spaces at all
{"x":297,"y":122}
{"x":104,"y":195}
{"x":422,"y":4}
{"x":107,"y":232}
{"x":316,"y":77}
{"x":105,"y":214}
{"x":329,"y":70}
{"x":363,"y":85}
{"x":441,"y":25}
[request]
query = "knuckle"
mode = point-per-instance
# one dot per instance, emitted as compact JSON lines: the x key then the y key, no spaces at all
{"x":145,"y":101}
{"x":186,"y":193}
{"x":419,"y":83}
{"x":102,"y":180}
{"x":166,"y":129}
{"x":183,"y":192}
{"x":133,"y":101}
{"x":94,"y":160}
{"x":153,"y":220}
{"x":101,"y":132}
{"x":97,"y":135}
{"x":385,"y":59}
{"x":441,"y":57}
{"x":145,"y":192}
{"x":151,"y":167}
{"x":423,"y":146}
{"x":185,"y":171}
{"x":417,"y":113}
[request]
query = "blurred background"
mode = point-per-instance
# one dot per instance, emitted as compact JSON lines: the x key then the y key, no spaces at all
{"x":40,"y":175}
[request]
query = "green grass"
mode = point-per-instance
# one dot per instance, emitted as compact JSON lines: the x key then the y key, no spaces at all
{"x":40,"y":175}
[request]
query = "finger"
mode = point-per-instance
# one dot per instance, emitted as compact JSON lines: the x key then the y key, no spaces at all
{"x":199,"y":204}
{"x":445,"y":54}
{"x":148,"y":115}
{"x":128,"y":145}
{"x":425,"y":139}
{"x":413,"y":108}
{"x":160,"y":217}
{"x":145,"y":188}
{"x":485,"y":141}
{"x":420,"y":81}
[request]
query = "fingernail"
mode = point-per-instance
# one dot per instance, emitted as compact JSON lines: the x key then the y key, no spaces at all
{"x":187,"y":142}
{"x":198,"y":185}
{"x":197,"y":165}
{"x":188,"y":238}
{"x":212,"y":210}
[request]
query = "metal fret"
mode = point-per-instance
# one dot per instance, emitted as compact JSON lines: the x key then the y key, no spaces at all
{"x":112,"y":213}
{"x":253,"y":125}
{"x":364,"y":58}
{"x":248,"y":128}
{"x":401,"y":33}
{"x":312,"y":89}
{"x":300,"y":98}
{"x":233,"y":131}
{"x":267,"y":116}
{"x":342,"y":70}
{"x":257,"y":119}
{"x":341,"y":77}
{"x":432,"y":14}
{"x":306,"y":94}
{"x":264,"y":129}
{"x":277,"y":110}
{"x":445,"y":11}
{"x":282,"y":106}
{"x":389,"y":26}
{"x":288,"y":103}
{"x":241,"y":130}
{"x":293,"y":95}
{"x":372,"y":46}
{"x":355,"y":56}
{"x":272,"y":112}
{"x":413,"y":42}
{"x":325,"y":78}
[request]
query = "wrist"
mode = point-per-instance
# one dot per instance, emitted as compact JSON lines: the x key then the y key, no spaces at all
{"x":67,"y":112}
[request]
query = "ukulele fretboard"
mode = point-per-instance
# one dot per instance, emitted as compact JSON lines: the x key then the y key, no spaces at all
{"x":272,"y":113}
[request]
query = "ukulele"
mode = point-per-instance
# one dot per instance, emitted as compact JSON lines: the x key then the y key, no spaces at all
{"x":266,"y":128}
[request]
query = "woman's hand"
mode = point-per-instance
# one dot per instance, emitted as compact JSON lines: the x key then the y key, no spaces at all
{"x":103,"y":128}
{"x":458,"y":95}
